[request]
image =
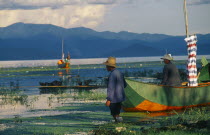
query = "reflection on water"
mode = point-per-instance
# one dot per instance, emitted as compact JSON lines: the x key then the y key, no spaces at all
{"x":14,"y":103}
{"x":144,"y":116}
{"x":22,"y":105}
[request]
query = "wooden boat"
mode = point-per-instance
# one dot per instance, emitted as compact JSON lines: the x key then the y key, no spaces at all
{"x":58,"y":85}
{"x":70,"y":87}
{"x":151,"y":97}
{"x":64,"y":63}
{"x":204,"y":75}
{"x":53,"y":83}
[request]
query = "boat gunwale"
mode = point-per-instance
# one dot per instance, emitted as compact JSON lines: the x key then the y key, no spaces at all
{"x":199,"y":85}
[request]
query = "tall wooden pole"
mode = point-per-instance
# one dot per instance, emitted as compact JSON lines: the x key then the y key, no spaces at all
{"x":192,"y":52}
{"x":62,"y":51}
{"x":186,"y":18}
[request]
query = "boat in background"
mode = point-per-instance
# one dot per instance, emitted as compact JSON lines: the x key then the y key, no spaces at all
{"x":64,"y":62}
{"x":204,"y":74}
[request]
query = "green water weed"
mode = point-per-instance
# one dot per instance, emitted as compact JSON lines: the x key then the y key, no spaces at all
{"x":193,"y":114}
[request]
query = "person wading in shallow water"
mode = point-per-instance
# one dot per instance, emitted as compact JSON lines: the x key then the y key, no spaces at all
{"x":171,"y":75}
{"x":115,"y":89}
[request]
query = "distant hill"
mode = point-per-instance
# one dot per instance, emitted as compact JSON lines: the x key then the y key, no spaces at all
{"x":43,"y":41}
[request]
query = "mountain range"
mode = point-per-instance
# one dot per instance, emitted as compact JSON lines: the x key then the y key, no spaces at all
{"x":22,"y":41}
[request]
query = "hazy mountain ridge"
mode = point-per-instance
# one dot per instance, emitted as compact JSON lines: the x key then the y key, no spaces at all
{"x":27,"y":30}
{"x":43,"y":41}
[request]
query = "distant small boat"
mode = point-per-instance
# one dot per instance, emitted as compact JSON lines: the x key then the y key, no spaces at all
{"x":59,"y":85}
{"x":64,"y":63}
{"x":53,"y":83}
{"x":83,"y":87}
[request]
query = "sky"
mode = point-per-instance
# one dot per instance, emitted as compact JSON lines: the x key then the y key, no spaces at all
{"x":137,"y":16}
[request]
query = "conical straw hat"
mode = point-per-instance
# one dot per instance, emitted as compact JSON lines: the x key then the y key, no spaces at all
{"x":168,"y":57}
{"x":111,"y":61}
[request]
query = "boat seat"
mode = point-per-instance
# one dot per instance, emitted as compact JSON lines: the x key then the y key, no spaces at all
{"x":184,"y":83}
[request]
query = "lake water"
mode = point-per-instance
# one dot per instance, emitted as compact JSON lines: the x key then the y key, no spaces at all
{"x":35,"y":63}
{"x":21,"y":96}
{"x":28,"y":74}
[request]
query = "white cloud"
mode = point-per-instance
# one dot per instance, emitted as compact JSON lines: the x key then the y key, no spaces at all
{"x":64,"y":13}
{"x":68,"y":16}
{"x":101,"y":1}
{"x":36,"y":4}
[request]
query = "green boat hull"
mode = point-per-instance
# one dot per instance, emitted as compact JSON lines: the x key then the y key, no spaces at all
{"x":150,"y":97}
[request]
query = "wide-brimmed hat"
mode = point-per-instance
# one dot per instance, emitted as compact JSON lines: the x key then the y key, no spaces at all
{"x":168,"y":57}
{"x":111,"y":61}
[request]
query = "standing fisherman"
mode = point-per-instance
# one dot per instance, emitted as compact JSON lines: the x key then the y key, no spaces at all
{"x":115,"y":89}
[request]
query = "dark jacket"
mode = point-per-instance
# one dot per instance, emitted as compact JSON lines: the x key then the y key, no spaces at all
{"x":171,"y":75}
{"x":116,"y":85}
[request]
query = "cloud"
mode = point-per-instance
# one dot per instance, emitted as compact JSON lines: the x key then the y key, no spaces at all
{"x":198,"y":2}
{"x":64,"y":13}
{"x":68,"y":16}
{"x":190,"y":2}
{"x":36,"y":4}
{"x":101,"y":1}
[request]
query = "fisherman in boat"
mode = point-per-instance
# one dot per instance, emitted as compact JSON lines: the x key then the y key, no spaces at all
{"x":171,"y":75}
{"x":67,"y":59}
{"x":115,"y":89}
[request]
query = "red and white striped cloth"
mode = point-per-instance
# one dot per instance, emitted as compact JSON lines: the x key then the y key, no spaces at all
{"x":191,"y":64}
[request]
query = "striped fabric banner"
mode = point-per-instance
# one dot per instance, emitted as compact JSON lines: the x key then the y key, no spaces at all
{"x":191,"y":64}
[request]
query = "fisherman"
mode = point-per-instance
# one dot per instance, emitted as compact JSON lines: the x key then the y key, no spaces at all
{"x":67,"y":59}
{"x":171,"y":75}
{"x":115,"y":89}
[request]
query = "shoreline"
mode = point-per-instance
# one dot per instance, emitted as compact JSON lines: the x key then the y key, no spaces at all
{"x":87,"y":61}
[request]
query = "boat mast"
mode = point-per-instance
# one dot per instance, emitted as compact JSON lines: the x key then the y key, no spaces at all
{"x":192,"y":52}
{"x":186,"y":18}
{"x":62,"y":51}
